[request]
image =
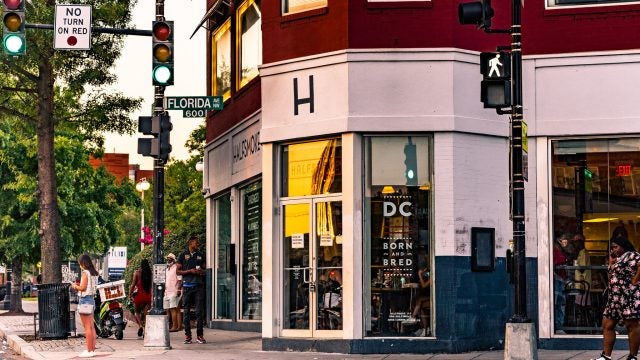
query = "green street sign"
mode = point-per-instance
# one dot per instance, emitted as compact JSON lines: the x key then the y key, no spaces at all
{"x":193,"y":103}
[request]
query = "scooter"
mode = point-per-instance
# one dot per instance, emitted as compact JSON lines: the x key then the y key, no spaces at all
{"x":108,"y":318}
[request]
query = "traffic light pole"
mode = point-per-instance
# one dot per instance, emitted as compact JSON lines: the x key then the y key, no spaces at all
{"x":520,"y":333}
{"x":158,"y":192}
{"x":517,"y":176}
{"x":157,"y":324}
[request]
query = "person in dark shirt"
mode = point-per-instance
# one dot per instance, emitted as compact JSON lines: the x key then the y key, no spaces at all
{"x":191,"y":265}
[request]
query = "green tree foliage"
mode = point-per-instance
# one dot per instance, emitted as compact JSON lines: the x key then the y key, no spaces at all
{"x":91,"y":202}
{"x":130,"y":226}
{"x":65,"y":90}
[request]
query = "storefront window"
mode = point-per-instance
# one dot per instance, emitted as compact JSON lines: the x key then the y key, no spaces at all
{"x":225,"y":284}
{"x":250,"y":34}
{"x":595,"y":197}
{"x":295,"y":6}
{"x":312,"y":168}
{"x":221,"y":61}
{"x":251,"y":253}
{"x":398,"y":266}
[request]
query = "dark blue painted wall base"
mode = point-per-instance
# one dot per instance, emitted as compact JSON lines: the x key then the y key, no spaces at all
{"x":591,"y":343}
{"x":370,"y":346}
{"x":236,"y":326}
{"x":472,"y":309}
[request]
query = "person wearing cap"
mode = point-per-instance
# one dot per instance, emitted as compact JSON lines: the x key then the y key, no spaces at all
{"x":191,"y":265}
{"x":172,"y":292}
{"x":623,"y":298}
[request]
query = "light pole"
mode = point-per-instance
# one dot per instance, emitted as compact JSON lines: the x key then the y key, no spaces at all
{"x":142,"y":186}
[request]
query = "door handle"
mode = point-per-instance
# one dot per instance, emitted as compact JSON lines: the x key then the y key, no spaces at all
{"x":306,"y":277}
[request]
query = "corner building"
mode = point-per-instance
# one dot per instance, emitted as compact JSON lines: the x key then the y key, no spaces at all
{"x":358,"y":192}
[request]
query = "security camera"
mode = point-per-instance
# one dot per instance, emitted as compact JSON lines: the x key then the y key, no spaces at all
{"x":204,"y":191}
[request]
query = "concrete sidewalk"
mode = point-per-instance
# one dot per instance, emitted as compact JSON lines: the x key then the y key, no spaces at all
{"x":221,"y":345}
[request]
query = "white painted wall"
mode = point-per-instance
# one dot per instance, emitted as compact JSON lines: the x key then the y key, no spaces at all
{"x":471,"y":190}
{"x":373,"y":91}
{"x":222,"y":170}
{"x":584,"y":94}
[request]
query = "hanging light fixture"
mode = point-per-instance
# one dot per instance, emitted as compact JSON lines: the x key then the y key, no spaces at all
{"x":388,"y":189}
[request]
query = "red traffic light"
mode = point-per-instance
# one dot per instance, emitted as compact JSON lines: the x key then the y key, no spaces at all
{"x":12,"y":4}
{"x":161,"y":31}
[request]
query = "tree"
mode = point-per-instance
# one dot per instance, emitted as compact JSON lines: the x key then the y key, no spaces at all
{"x":91,"y":202}
{"x":68,"y":88}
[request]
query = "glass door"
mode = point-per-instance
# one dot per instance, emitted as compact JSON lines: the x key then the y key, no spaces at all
{"x":312,"y":273}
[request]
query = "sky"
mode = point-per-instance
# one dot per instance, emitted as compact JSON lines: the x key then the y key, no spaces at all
{"x":133,"y":70}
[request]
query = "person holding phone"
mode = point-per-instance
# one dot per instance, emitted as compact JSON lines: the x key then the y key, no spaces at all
{"x":86,"y":291}
{"x":623,"y":298}
{"x":191,"y":265}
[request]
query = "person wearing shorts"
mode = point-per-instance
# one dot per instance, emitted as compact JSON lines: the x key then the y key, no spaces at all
{"x":172,"y":292}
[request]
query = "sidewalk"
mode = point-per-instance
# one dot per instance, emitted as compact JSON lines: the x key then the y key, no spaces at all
{"x":221,"y":345}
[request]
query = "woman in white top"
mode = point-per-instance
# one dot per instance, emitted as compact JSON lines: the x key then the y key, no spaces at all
{"x":86,"y":291}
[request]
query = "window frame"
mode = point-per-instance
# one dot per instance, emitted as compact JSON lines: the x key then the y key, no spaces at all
{"x":216,"y":35}
{"x":240,"y":81}
{"x":568,"y":4}
{"x":319,"y":5}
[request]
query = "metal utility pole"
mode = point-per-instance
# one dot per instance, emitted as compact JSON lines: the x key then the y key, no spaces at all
{"x":506,"y":97}
{"x":517,"y":176}
{"x":157,"y":324}
{"x":158,"y":194}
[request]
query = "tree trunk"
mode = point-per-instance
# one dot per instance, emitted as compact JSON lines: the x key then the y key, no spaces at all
{"x":47,"y":188}
{"x":16,"y":285}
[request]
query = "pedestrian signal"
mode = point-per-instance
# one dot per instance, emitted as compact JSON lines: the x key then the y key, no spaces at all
{"x":495,"y":89}
{"x":478,"y":13}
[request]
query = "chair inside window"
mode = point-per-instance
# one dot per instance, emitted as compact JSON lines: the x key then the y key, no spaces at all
{"x":578,"y":316}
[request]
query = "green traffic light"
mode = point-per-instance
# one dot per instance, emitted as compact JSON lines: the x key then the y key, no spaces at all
{"x":162,"y":74}
{"x":13,"y":44}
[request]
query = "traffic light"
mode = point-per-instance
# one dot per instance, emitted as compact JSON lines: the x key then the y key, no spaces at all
{"x":411,"y":164}
{"x":13,"y":34}
{"x":162,"y":48}
{"x":479,"y":13}
{"x":159,"y":146}
{"x":495,"y":90}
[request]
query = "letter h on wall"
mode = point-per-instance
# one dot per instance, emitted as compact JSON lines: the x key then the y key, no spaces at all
{"x":297,"y":101}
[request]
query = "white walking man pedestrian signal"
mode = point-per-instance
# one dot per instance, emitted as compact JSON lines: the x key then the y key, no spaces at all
{"x":495,"y":89}
{"x":494,"y":66}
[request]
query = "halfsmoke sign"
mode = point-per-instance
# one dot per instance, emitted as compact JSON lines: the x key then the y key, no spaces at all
{"x":193,"y":102}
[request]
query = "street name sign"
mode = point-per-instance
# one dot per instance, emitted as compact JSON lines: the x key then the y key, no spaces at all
{"x":72,"y":27}
{"x":193,"y":103}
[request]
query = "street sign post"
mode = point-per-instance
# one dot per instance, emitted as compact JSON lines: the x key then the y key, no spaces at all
{"x":72,"y":27}
{"x":193,"y":106}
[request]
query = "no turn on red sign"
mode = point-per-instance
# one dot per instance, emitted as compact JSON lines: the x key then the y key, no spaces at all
{"x":72,"y":27}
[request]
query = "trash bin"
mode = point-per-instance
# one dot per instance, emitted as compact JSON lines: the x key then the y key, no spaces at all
{"x":53,"y":311}
{"x":5,"y":304}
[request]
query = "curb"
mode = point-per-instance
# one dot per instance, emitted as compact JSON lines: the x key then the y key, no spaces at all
{"x":17,"y":344}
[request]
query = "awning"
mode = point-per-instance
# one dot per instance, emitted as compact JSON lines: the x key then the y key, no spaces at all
{"x":206,"y":16}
